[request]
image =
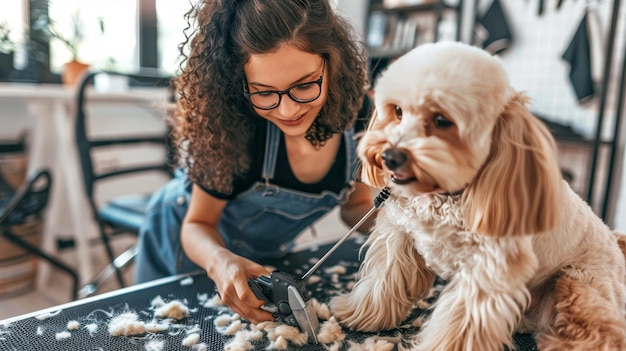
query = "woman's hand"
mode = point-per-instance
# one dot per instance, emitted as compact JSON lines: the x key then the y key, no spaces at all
{"x":360,"y":201}
{"x":205,"y":247}
{"x":230,"y":273}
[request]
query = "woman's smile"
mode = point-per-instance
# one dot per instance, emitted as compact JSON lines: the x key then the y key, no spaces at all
{"x":292,"y":122}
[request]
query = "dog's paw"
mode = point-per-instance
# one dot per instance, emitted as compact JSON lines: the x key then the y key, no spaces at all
{"x":360,"y":314}
{"x":340,"y":307}
{"x":345,"y":311}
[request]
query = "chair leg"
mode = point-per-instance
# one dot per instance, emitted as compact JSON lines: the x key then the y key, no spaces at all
{"x":36,"y":251}
{"x":114,"y":267}
{"x":107,"y":246}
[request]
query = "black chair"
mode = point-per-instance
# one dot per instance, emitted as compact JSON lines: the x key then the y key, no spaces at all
{"x":122,"y":214}
{"x":7,"y":186}
{"x":30,"y":200}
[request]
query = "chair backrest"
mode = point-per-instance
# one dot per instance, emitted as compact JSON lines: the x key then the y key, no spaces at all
{"x":13,"y":146}
{"x":87,"y":143}
{"x":30,"y":199}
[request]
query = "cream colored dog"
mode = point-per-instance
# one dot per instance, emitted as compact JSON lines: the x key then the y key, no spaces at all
{"x":478,"y":199}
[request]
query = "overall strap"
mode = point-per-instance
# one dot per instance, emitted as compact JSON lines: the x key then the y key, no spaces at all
{"x":272,"y":141}
{"x":350,"y":154}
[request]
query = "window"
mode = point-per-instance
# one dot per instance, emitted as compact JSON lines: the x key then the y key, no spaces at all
{"x":109,"y":33}
{"x":170,"y":24}
{"x":13,"y":15}
{"x":130,"y":40}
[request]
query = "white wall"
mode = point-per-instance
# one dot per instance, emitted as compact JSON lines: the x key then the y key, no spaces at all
{"x":534,"y":60}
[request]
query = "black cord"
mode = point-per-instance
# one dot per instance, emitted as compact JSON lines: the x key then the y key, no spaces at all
{"x":382,"y":196}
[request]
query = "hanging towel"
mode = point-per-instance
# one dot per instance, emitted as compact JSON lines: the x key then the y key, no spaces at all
{"x":578,"y":55}
{"x":493,"y":29}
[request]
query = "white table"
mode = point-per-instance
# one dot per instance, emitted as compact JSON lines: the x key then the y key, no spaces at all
{"x":53,"y":146}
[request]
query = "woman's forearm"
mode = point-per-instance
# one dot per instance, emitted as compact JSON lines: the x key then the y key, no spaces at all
{"x":202,"y":243}
{"x":352,"y":215}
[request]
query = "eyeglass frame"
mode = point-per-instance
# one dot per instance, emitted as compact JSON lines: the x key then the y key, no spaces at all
{"x":287,"y":91}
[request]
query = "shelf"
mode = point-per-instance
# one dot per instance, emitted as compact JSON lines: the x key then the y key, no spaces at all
{"x":424,"y":7}
{"x":386,"y":53}
{"x":393,"y":31}
{"x":565,"y":134}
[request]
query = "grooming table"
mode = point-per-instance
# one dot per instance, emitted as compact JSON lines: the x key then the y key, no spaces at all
{"x":27,"y":332}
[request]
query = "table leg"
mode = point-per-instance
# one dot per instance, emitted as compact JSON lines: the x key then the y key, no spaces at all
{"x":78,"y":206}
{"x":41,"y":155}
{"x":68,"y":200}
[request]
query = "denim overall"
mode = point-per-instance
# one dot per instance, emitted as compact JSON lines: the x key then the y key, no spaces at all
{"x":259,"y":223}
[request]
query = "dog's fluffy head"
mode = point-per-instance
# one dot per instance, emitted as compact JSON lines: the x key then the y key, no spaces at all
{"x":448,"y":120}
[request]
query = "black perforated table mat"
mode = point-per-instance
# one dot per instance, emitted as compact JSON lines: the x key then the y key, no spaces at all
{"x":29,"y":333}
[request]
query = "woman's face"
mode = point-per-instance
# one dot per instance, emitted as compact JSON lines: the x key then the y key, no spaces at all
{"x":281,"y":70}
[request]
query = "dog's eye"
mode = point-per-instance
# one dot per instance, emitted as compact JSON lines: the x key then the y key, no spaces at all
{"x":442,"y":122}
{"x":398,"y":111}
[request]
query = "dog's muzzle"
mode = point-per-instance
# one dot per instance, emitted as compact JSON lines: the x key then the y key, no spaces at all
{"x":394,"y":159}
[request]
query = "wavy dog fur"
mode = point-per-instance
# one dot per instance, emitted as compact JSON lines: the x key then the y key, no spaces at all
{"x":478,"y":199}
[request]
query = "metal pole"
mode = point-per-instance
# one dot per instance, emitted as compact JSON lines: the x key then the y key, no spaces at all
{"x":616,"y":135}
{"x":605,"y":83}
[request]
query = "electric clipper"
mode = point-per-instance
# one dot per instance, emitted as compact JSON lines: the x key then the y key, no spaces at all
{"x":289,"y":294}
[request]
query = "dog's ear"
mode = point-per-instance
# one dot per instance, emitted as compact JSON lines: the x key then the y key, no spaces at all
{"x":370,"y":154}
{"x":518,"y":189}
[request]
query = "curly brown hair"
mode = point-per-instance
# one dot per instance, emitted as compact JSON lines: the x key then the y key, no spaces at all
{"x":214,"y":124}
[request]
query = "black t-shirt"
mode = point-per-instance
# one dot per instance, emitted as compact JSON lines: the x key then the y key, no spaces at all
{"x":283,"y":175}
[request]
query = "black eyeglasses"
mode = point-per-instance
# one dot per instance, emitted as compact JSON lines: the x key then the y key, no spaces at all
{"x":302,"y":93}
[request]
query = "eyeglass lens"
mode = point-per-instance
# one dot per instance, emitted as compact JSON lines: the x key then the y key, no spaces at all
{"x":306,"y":92}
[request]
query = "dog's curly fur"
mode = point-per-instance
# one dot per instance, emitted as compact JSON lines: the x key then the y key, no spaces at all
{"x":478,"y":199}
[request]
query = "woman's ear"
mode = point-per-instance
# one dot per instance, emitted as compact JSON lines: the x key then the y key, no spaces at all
{"x":518,"y":189}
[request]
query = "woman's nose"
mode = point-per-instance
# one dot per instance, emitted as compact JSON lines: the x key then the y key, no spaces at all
{"x":288,"y":108}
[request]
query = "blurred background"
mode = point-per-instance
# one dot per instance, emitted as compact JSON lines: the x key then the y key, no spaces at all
{"x":567,"y":55}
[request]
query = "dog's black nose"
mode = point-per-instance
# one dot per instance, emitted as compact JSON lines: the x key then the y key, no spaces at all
{"x":394,"y":158}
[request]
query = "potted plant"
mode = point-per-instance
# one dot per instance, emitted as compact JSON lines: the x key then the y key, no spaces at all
{"x":71,"y":39}
{"x":7,"y":49}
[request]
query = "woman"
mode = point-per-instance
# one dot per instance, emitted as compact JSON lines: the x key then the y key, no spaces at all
{"x":269,"y":93}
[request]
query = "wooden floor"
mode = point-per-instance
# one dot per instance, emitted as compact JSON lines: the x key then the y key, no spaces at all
{"x":58,"y":287}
